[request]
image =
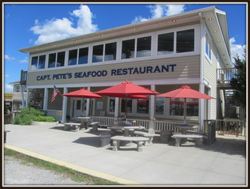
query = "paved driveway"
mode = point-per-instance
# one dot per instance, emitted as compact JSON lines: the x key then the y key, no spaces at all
{"x":224,"y":162}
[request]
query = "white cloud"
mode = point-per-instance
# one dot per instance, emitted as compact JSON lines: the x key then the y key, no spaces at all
{"x":7,"y":57}
{"x":24,"y":61}
{"x":158,"y":11}
{"x":8,"y":88}
{"x":62,"y":28}
{"x":236,"y":49}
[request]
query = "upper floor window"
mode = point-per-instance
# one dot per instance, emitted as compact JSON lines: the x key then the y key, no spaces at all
{"x":72,"y":57}
{"x":97,"y":53}
{"x":110,"y":51}
{"x":56,"y":59}
{"x":60,"y":59}
{"x":185,"y":41}
{"x":208,"y":48}
{"x":128,"y":49}
{"x":165,"y":43}
{"x":52,"y":60}
{"x":143,"y":46}
{"x":83,"y":55}
{"x":38,"y":62}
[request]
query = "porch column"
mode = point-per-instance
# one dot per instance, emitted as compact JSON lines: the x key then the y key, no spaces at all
{"x":116,"y":107}
{"x":27,"y":98}
{"x":64,"y":108}
{"x":152,"y":109}
{"x":45,"y":99}
{"x":93,"y":107}
{"x":22,"y":94}
{"x":201,"y":108}
{"x":87,"y":104}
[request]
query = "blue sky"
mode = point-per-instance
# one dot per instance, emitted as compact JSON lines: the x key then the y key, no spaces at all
{"x":26,"y":25}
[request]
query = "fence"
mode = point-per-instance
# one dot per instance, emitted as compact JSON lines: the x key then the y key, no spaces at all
{"x":224,"y":75}
{"x":231,"y":127}
{"x":159,"y":126}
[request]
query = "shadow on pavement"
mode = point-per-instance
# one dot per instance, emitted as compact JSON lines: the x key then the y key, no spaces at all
{"x":90,"y":141}
{"x":228,"y":146}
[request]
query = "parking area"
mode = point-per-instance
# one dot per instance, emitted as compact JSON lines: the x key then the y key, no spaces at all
{"x":222,"y":163}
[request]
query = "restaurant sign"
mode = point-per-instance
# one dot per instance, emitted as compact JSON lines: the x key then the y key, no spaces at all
{"x":108,"y":73}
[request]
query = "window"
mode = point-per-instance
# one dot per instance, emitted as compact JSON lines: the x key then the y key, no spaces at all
{"x":52,"y":60}
{"x":142,"y":106}
{"x":34,"y":61}
{"x":111,"y":105}
{"x":110,"y":51}
{"x":129,"y":105}
{"x":192,"y":107}
{"x":208,"y":49}
{"x":159,"y":105}
{"x":16,"y":88}
{"x":78,"y":104}
{"x":38,"y":62}
{"x":72,"y":57}
{"x":185,"y":41}
{"x":97,"y":53}
{"x":128,"y":49}
{"x":60,"y":59}
{"x":83,"y":55}
{"x":176,"y":107}
{"x":41,"y":63}
{"x":165,"y":43}
{"x":143,"y":47}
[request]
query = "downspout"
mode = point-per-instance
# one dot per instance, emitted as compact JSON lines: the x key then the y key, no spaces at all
{"x":201,"y":84}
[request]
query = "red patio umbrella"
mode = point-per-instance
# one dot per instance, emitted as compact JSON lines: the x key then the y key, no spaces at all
{"x":82,"y":93}
{"x":185,"y":92}
{"x":126,"y":90}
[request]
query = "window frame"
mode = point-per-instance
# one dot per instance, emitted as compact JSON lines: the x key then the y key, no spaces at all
{"x":37,"y":63}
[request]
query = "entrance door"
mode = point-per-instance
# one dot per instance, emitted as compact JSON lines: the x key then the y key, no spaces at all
{"x":78,"y":107}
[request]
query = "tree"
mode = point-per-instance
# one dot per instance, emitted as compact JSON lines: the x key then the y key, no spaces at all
{"x":238,"y":81}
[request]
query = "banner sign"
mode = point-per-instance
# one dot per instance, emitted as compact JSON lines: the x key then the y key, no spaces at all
{"x":111,"y":73}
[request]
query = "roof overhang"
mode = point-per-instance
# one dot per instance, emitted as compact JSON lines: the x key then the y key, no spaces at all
{"x":217,"y":25}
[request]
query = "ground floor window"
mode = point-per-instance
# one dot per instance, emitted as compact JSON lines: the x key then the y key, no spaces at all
{"x":159,"y":105}
{"x":192,"y":107}
{"x":142,"y":106}
{"x":129,"y":105}
{"x":177,"y":107}
{"x":36,"y":98}
{"x":112,"y":105}
{"x":57,"y":104}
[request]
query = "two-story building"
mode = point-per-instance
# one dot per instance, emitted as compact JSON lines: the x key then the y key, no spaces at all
{"x":160,"y":54}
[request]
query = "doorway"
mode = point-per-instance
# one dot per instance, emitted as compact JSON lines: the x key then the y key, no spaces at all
{"x":78,"y":107}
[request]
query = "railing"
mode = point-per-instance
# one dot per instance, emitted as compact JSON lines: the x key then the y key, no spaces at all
{"x":159,"y":126}
{"x":231,"y":127}
{"x":224,"y":75}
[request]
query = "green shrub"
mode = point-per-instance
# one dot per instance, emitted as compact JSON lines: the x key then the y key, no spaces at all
{"x":44,"y":118}
{"x":23,"y":120}
{"x":27,"y":115}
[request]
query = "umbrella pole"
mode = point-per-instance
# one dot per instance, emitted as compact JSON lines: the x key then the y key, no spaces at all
{"x":125,"y":109}
{"x":185,"y":110}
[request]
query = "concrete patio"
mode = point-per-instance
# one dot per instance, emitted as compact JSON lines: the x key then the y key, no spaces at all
{"x":223,"y":163}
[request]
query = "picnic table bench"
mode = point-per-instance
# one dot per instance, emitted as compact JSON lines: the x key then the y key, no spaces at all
{"x":72,"y":125}
{"x":197,"y":137}
{"x":150,"y":136}
{"x":138,"y":140}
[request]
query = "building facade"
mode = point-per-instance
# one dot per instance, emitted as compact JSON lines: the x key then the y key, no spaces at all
{"x":160,"y":54}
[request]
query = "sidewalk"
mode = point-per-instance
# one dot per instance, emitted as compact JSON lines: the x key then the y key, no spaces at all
{"x":221,"y":163}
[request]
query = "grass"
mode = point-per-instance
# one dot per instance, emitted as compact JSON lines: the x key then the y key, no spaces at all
{"x":70,"y":173}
